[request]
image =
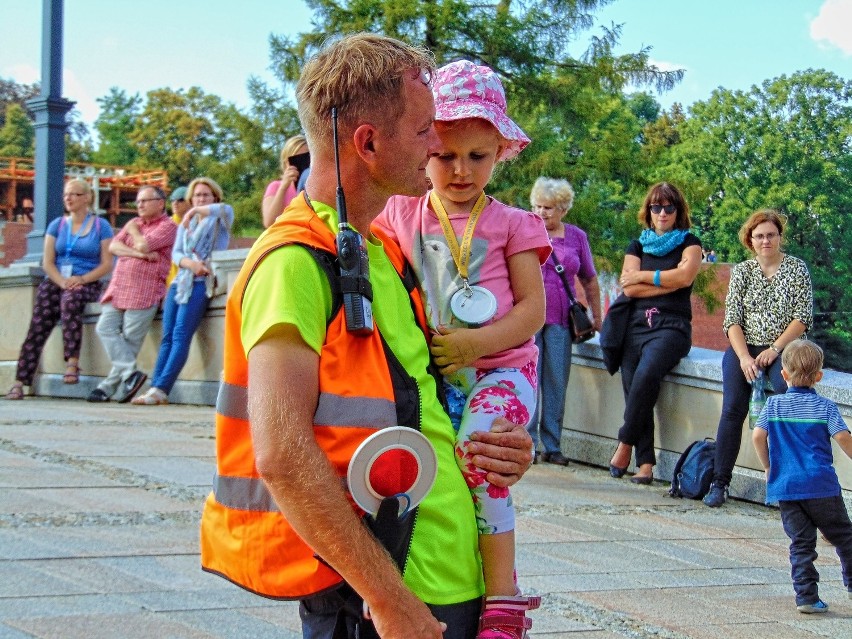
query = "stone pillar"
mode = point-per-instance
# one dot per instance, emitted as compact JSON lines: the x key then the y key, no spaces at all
{"x":49,"y":109}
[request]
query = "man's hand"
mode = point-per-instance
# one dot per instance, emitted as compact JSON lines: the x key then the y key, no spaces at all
{"x":505,"y":452}
{"x":454,"y":348}
{"x":408,"y":619}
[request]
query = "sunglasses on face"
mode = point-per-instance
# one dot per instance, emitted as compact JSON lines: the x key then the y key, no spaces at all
{"x":668,"y":208}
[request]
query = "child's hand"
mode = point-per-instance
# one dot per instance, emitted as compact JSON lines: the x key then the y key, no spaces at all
{"x":454,"y":348}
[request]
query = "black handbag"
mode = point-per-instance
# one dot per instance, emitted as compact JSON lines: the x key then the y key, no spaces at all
{"x":579,"y":324}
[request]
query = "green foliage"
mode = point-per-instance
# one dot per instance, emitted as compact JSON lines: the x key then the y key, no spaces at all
{"x":17,"y":136}
{"x":119,"y":115}
{"x":12,"y":92}
{"x":783,"y":145}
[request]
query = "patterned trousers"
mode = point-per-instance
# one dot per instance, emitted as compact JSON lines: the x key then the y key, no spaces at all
{"x":54,"y":305}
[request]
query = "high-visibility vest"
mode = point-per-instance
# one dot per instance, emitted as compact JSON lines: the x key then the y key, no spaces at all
{"x":244,"y":537}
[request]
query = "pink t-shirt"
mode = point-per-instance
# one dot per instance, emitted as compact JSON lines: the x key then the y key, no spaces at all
{"x":289,"y":194}
{"x":502,"y":231}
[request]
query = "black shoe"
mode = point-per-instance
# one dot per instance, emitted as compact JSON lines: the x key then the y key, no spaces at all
{"x":132,"y":386}
{"x":717,"y":496}
{"x":97,"y":396}
{"x":638,"y":479}
{"x":555,"y":458}
{"x":617,"y":472}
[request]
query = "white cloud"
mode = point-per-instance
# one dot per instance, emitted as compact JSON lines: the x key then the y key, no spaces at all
{"x":662,"y":65}
{"x":73,"y":89}
{"x":832,"y":25}
{"x":21,"y":73}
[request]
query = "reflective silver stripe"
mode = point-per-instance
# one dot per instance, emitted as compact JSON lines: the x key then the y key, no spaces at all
{"x":335,"y":410}
{"x":243,"y":493}
{"x":232,"y":401}
{"x":332,"y":410}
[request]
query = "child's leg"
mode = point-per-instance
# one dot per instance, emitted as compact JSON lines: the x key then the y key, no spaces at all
{"x":508,"y":393}
{"x":833,"y":521}
{"x":802,"y":533}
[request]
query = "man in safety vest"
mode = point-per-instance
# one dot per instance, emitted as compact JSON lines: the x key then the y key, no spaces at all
{"x":300,"y":392}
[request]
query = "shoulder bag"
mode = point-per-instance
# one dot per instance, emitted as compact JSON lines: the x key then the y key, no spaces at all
{"x":579,"y":324}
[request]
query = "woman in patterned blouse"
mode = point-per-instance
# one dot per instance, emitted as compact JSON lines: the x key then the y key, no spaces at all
{"x":769,"y":304}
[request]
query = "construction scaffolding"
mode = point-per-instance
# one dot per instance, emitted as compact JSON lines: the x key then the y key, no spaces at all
{"x":116,"y":187}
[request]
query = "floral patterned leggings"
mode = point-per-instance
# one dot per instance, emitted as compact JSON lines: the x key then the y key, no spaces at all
{"x":53,"y":305}
{"x":476,"y":397}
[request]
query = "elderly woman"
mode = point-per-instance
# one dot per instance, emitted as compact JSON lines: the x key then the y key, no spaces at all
{"x":205,"y":228}
{"x":769,"y":304}
{"x":76,"y":257}
{"x":551,"y":199}
{"x":280,"y":192}
{"x":657,"y":275}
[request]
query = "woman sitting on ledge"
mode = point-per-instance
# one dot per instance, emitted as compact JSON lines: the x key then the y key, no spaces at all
{"x":76,"y":257}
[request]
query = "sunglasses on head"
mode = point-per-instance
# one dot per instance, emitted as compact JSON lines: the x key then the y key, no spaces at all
{"x":668,"y":208}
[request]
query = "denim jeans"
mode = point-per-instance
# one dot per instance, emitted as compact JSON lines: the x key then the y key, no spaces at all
{"x":180,"y":321}
{"x":554,"y":368}
{"x":801,"y":520}
{"x":121,"y":332}
{"x":649,"y":355}
{"x":736,"y":392}
{"x":319,"y":616}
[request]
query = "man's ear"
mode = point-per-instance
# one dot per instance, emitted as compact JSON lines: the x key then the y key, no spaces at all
{"x":364,"y":139}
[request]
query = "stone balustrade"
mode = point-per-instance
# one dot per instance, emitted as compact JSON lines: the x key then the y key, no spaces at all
{"x":688,"y":408}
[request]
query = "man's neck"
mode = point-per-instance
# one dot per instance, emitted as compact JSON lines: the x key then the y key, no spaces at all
{"x":363,"y":200}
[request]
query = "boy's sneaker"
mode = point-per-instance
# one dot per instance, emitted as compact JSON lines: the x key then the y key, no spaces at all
{"x":717,"y":495}
{"x":504,"y":618}
{"x":818,"y":606}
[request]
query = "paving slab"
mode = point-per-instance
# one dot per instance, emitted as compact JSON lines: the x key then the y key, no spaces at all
{"x":99,"y":520}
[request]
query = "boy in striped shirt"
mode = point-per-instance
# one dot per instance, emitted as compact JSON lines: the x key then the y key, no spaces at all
{"x":793,"y":441}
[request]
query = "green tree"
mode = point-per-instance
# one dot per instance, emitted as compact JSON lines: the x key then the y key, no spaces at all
{"x":117,"y":119}
{"x":572,"y":107}
{"x":12,"y":92}
{"x":17,"y":135}
{"x":784,"y":145}
{"x":176,"y":130}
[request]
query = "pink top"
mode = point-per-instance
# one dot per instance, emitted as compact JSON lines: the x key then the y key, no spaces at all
{"x":138,"y":283}
{"x":272,"y":189}
{"x":502,"y":231}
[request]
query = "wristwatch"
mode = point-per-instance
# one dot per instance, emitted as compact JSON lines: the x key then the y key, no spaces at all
{"x":775,"y":348}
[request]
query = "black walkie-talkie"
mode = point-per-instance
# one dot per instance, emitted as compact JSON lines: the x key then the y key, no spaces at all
{"x":354,"y":264}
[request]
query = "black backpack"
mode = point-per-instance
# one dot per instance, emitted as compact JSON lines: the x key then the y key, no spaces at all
{"x":693,"y":472}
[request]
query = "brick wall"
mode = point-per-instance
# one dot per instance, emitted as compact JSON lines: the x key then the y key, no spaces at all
{"x":13,"y":241}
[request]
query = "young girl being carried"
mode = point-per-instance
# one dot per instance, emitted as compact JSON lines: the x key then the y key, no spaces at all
{"x":479,"y":266}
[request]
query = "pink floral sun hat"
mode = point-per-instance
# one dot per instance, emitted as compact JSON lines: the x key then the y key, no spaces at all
{"x":464,"y":90}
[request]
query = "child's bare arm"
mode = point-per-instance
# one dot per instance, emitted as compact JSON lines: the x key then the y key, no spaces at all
{"x":844,"y":440}
{"x":453,"y":349}
{"x":759,"y":438}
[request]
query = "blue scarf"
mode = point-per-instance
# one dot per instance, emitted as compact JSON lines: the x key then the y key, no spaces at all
{"x":198,"y":243}
{"x":661,"y":244}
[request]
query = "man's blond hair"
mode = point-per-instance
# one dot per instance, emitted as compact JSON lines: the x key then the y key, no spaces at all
{"x":803,"y":361}
{"x":363,"y":76}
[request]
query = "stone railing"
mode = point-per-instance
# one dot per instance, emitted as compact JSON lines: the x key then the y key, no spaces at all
{"x":688,"y":409}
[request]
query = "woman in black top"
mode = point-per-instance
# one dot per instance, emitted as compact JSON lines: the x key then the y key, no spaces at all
{"x":657,"y":275}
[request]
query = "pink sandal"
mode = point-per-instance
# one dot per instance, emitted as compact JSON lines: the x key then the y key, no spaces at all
{"x":504,"y":617}
{"x":16,"y":392}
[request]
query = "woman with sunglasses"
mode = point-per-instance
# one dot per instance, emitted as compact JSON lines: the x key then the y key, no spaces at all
{"x":769,"y":304}
{"x":76,"y":257}
{"x":657,"y":275}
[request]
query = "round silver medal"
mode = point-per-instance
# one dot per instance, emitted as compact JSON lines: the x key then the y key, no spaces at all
{"x":473,"y":305}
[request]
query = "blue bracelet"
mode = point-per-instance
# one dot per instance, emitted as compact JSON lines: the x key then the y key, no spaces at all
{"x":656,"y":278}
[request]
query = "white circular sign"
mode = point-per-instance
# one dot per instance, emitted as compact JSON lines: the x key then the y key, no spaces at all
{"x":473,"y":305}
{"x":392,"y":461}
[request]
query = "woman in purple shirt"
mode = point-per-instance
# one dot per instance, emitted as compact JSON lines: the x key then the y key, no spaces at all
{"x":551,"y":199}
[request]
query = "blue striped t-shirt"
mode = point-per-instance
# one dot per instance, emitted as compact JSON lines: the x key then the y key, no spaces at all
{"x":800,"y":425}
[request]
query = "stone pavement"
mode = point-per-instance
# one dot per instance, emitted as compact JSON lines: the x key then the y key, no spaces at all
{"x":99,"y":510}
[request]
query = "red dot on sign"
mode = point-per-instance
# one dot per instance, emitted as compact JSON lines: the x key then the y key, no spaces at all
{"x":393,"y":472}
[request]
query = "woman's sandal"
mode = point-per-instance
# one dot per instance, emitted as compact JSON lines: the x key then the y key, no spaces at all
{"x":154,"y":397}
{"x":16,"y":392}
{"x":72,"y":373}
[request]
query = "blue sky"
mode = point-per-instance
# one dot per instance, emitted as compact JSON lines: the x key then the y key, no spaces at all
{"x":181,"y":43}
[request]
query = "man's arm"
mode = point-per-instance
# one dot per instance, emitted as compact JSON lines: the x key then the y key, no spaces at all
{"x":309,"y":493}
